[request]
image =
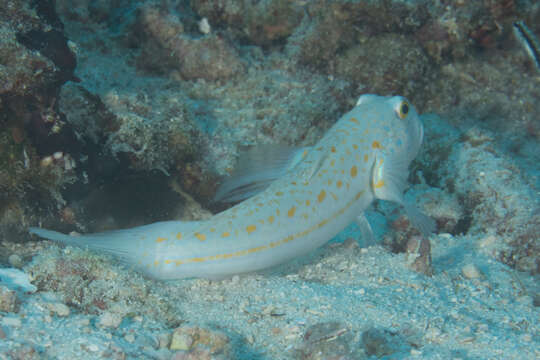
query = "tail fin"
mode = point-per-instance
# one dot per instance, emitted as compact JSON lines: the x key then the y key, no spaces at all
{"x":128,"y":245}
{"x":113,"y":242}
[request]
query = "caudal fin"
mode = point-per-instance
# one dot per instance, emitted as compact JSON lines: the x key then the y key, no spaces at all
{"x":113,"y":242}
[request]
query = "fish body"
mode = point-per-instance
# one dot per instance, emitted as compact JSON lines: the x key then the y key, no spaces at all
{"x":364,"y":156}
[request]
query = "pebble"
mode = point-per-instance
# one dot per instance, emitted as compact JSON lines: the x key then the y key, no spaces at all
{"x":328,"y":340}
{"x":196,"y":340}
{"x":130,"y":338}
{"x":15,"y":261}
{"x":204,"y":26}
{"x":59,"y":309}
{"x":109,"y":320}
{"x":470,"y":271}
{"x":181,"y":341}
{"x":8,"y":300}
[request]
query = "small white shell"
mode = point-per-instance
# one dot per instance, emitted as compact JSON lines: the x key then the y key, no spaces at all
{"x":204,"y":26}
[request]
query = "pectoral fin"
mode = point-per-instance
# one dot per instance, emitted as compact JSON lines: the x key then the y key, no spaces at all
{"x":365,"y":230}
{"x":388,"y":181}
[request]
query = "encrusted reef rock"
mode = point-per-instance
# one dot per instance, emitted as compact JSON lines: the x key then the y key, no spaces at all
{"x":257,"y":22}
{"x":384,"y":64}
{"x":165,"y":45}
{"x":35,"y":60}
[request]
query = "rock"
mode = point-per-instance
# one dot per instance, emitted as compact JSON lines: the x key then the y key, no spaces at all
{"x":165,"y":46}
{"x":109,"y":320}
{"x":15,"y":261}
{"x":419,"y":250}
{"x":195,"y":341}
{"x":59,"y":309}
{"x":470,"y":271}
{"x":329,"y":340}
{"x":8,"y":300}
{"x":381,"y":343}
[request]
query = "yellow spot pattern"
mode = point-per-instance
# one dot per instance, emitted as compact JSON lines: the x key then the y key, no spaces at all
{"x":379,"y":184}
{"x":273,"y":244}
{"x":160,"y":239}
{"x":271,"y":219}
{"x":321,"y":196}
{"x":354,"y":171}
{"x":225,"y":234}
{"x":376,"y":145}
{"x":178,"y":236}
{"x":339,"y":184}
{"x":291,"y":211}
{"x":200,"y":236}
{"x":251,"y":228}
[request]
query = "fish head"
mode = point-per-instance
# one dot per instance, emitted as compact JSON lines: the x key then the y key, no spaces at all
{"x":396,"y":125}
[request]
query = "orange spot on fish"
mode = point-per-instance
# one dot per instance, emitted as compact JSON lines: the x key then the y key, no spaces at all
{"x":379,"y":184}
{"x":225,"y":234}
{"x":291,"y":211}
{"x":376,"y":145}
{"x":271,"y":219}
{"x":355,"y":147}
{"x":178,"y":236}
{"x":279,"y":193}
{"x":321,"y":196}
{"x":200,"y":236}
{"x":354,"y":171}
{"x":354,"y":121}
{"x":333,"y":149}
{"x":307,"y":202}
{"x":160,"y":239}
{"x":251,"y":228}
{"x":366,"y":158}
{"x":339,"y":184}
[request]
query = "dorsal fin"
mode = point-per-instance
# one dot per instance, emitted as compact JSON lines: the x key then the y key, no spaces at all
{"x":257,"y":167}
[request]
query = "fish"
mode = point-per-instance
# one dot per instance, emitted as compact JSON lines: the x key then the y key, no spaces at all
{"x":528,"y":40}
{"x":290,"y":203}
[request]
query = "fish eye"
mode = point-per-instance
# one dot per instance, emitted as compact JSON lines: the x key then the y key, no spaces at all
{"x":403,"y":109}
